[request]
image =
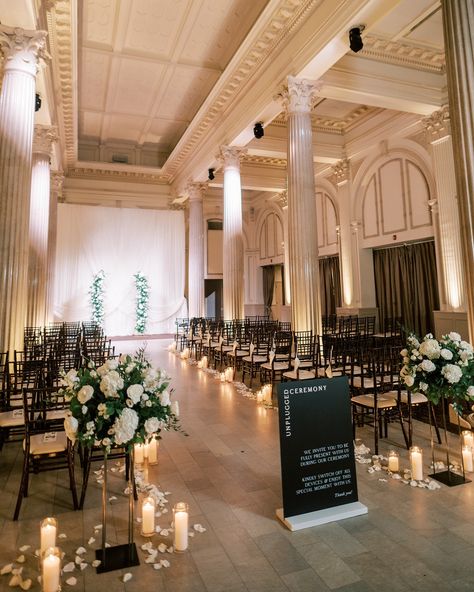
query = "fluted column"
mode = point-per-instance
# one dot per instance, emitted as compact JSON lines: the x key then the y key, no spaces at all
{"x":196,"y":250}
{"x":21,"y":49}
{"x":44,"y":136}
{"x":302,"y":226}
{"x":233,"y":259}
{"x":458,"y":24}
{"x":450,"y":248}
{"x":56,"y":184}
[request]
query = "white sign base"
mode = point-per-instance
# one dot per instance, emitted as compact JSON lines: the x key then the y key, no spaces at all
{"x":322,"y":516}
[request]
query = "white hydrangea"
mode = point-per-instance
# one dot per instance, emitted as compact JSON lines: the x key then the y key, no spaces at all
{"x":452,"y":373}
{"x":454,"y":336}
{"x":446,"y":354}
{"x":423,"y":386}
{"x":111,"y":383}
{"x":430,"y":348}
{"x":70,"y":427}
{"x":134,"y":392}
{"x":152,"y":425}
{"x":125,"y":426}
{"x":427,"y":366}
{"x":470,"y":392}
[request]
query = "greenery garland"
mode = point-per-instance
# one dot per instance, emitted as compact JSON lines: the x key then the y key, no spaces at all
{"x":143,"y":294}
{"x":96,"y":294}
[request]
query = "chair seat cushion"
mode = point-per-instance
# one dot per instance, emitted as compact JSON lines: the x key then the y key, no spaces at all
{"x":278,"y":366}
{"x":47,"y":443}
{"x":56,"y":414}
{"x":303,"y":375}
{"x":256,"y":359}
{"x":10,"y":419}
{"x":367,"y":383}
{"x":383,"y":401}
{"x":416,"y":398}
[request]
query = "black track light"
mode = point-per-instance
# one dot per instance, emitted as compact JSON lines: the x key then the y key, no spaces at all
{"x":37,"y":102}
{"x":211,"y":175}
{"x":258,"y":130}
{"x":355,"y":38}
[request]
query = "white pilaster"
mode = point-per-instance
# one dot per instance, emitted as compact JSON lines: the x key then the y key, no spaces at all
{"x":56,"y":183}
{"x":342,"y":178}
{"x":283,"y":200}
{"x":196,"y":250}
{"x":233,"y":259}
{"x":302,"y":233}
{"x":44,"y":136}
{"x":22,"y":50}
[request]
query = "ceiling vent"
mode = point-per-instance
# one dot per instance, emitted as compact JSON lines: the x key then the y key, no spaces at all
{"x":120,"y":158}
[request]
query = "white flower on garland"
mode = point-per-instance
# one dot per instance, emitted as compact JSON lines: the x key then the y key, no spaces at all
{"x":143,"y":294}
{"x":96,"y":294}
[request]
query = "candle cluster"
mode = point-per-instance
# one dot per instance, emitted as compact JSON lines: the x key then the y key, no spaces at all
{"x":50,"y":556}
{"x":185,"y":353}
{"x":264,"y":395}
{"x":203,"y":363}
{"x":467,"y":450}
{"x":147,"y":452}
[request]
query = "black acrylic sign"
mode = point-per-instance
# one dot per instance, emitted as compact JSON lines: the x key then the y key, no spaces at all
{"x":316,"y":446}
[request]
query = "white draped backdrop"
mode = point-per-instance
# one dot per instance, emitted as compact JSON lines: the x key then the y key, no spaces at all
{"x":121,"y":242}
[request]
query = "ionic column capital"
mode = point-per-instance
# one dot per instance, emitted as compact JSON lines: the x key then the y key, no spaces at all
{"x":299,"y":95}
{"x":230,"y":156}
{"x":22,"y":49}
{"x":196,"y":191}
{"x":43,"y":138}
{"x":437,"y":125}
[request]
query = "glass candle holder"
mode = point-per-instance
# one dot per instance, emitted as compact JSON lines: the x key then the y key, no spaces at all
{"x":139,"y":453}
{"x":222,"y":376}
{"x":51,"y":570}
{"x":204,"y":362}
{"x":181,"y":517}
{"x":467,"y":460}
{"x":259,"y":396}
{"x":48,"y":531}
{"x":467,"y":438}
{"x":393,"y":461}
{"x":148,"y":517}
{"x":416,"y":463}
{"x":153,"y":451}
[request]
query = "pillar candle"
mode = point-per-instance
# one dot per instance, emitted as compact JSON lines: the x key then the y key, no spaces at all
{"x":152,"y":451}
{"x":259,"y":395}
{"x":148,"y":516}
{"x":467,"y":459}
{"x":416,"y":460}
{"x":139,"y":454}
{"x":48,"y":529}
{"x":51,"y":570}
{"x":180,"y":526}
{"x":393,"y":461}
{"x":222,"y":376}
{"x":204,"y":362}
{"x":468,"y":438}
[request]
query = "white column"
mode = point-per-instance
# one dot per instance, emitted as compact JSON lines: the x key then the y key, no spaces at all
{"x":233,"y":258}
{"x":21,"y":50}
{"x":449,"y":236}
{"x":302,"y":233}
{"x":341,"y":174}
{"x":283,"y":200}
{"x":44,"y":136}
{"x":56,"y":183}
{"x":458,"y":24}
{"x":196,"y":250}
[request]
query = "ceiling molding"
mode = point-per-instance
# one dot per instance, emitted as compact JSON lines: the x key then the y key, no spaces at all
{"x":403,"y":53}
{"x":117,"y":175}
{"x":265,"y":161}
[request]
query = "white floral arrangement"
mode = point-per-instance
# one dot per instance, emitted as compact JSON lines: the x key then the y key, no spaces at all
{"x":121,"y":403}
{"x":439,"y":369}
{"x":143,"y":294}
{"x":96,"y":294}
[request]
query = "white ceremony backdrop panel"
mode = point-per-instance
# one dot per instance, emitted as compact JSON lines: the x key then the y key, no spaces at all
{"x":121,"y":242}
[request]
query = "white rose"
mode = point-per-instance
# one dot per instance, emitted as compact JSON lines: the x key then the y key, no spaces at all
{"x":85,"y":393}
{"x":135,"y":391}
{"x":470,"y":392}
{"x":106,"y":442}
{"x":452,"y":373}
{"x":175,"y":408}
{"x":454,"y":336}
{"x":84,"y":409}
{"x":152,"y":425}
{"x":427,"y":366}
{"x":111,"y":364}
{"x":446,"y":354}
{"x":125,"y":426}
{"x":70,"y":427}
{"x":165,"y":398}
{"x":404,"y":353}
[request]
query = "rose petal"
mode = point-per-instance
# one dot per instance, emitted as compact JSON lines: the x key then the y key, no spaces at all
{"x":162,"y":548}
{"x":96,"y":563}
{"x":62,"y":536}
{"x":69,"y":567}
{"x":80,"y":551}
{"x":165,"y":563}
{"x":14,"y":581}
{"x":157,"y":566}
{"x":24,"y":548}
{"x":16,"y":571}
{"x":83,"y":566}
{"x":78,"y":560}
{"x":26,"y":584}
{"x":71,"y":581}
{"x":91,"y":540}
{"x":6,"y":569}
{"x":128,"y":576}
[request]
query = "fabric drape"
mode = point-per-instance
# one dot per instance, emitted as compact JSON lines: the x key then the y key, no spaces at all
{"x":406,"y":285}
{"x":330,"y":285}
{"x":268,"y":286}
{"x":121,"y":242}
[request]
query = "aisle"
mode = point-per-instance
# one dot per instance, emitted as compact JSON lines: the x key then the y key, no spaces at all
{"x":227,"y":470}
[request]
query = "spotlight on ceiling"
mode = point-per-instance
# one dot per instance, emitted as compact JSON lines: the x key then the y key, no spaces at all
{"x":37,"y":102}
{"x":355,"y":38}
{"x":258,"y":131}
{"x":211,"y":175}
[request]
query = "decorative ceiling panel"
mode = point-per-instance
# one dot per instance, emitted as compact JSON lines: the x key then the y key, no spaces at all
{"x":124,"y":127}
{"x":334,"y":109}
{"x":153,"y":26}
{"x":165,"y":132}
{"x":99,"y":21}
{"x":90,"y":124}
{"x":94,"y":79}
{"x":136,"y":86}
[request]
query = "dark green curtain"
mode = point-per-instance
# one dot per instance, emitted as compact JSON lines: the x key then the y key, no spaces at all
{"x":330,"y":285}
{"x":268,"y":284}
{"x":406,"y":285}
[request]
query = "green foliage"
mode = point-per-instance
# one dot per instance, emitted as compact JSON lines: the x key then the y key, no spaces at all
{"x":143,"y":294}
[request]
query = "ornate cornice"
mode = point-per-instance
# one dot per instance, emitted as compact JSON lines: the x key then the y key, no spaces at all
{"x":117,"y":175}
{"x":341,"y":171}
{"x":264,"y":161}
{"x":437,"y":125}
{"x":290,"y":15}
{"x":172,"y":205}
{"x":57,"y":182}
{"x":43,"y":138}
{"x":62,"y":27}
{"x":332,"y":124}
{"x":22,"y":49}
{"x":403,"y":53}
{"x":282,"y":199}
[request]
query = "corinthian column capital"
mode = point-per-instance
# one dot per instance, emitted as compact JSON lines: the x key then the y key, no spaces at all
{"x":437,"y":125}
{"x":44,"y":136}
{"x":299,"y":95}
{"x":196,"y":190}
{"x":22,"y":49}
{"x":230,"y":156}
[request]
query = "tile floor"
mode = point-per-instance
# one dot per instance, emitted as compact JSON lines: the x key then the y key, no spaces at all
{"x":228,"y":470}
